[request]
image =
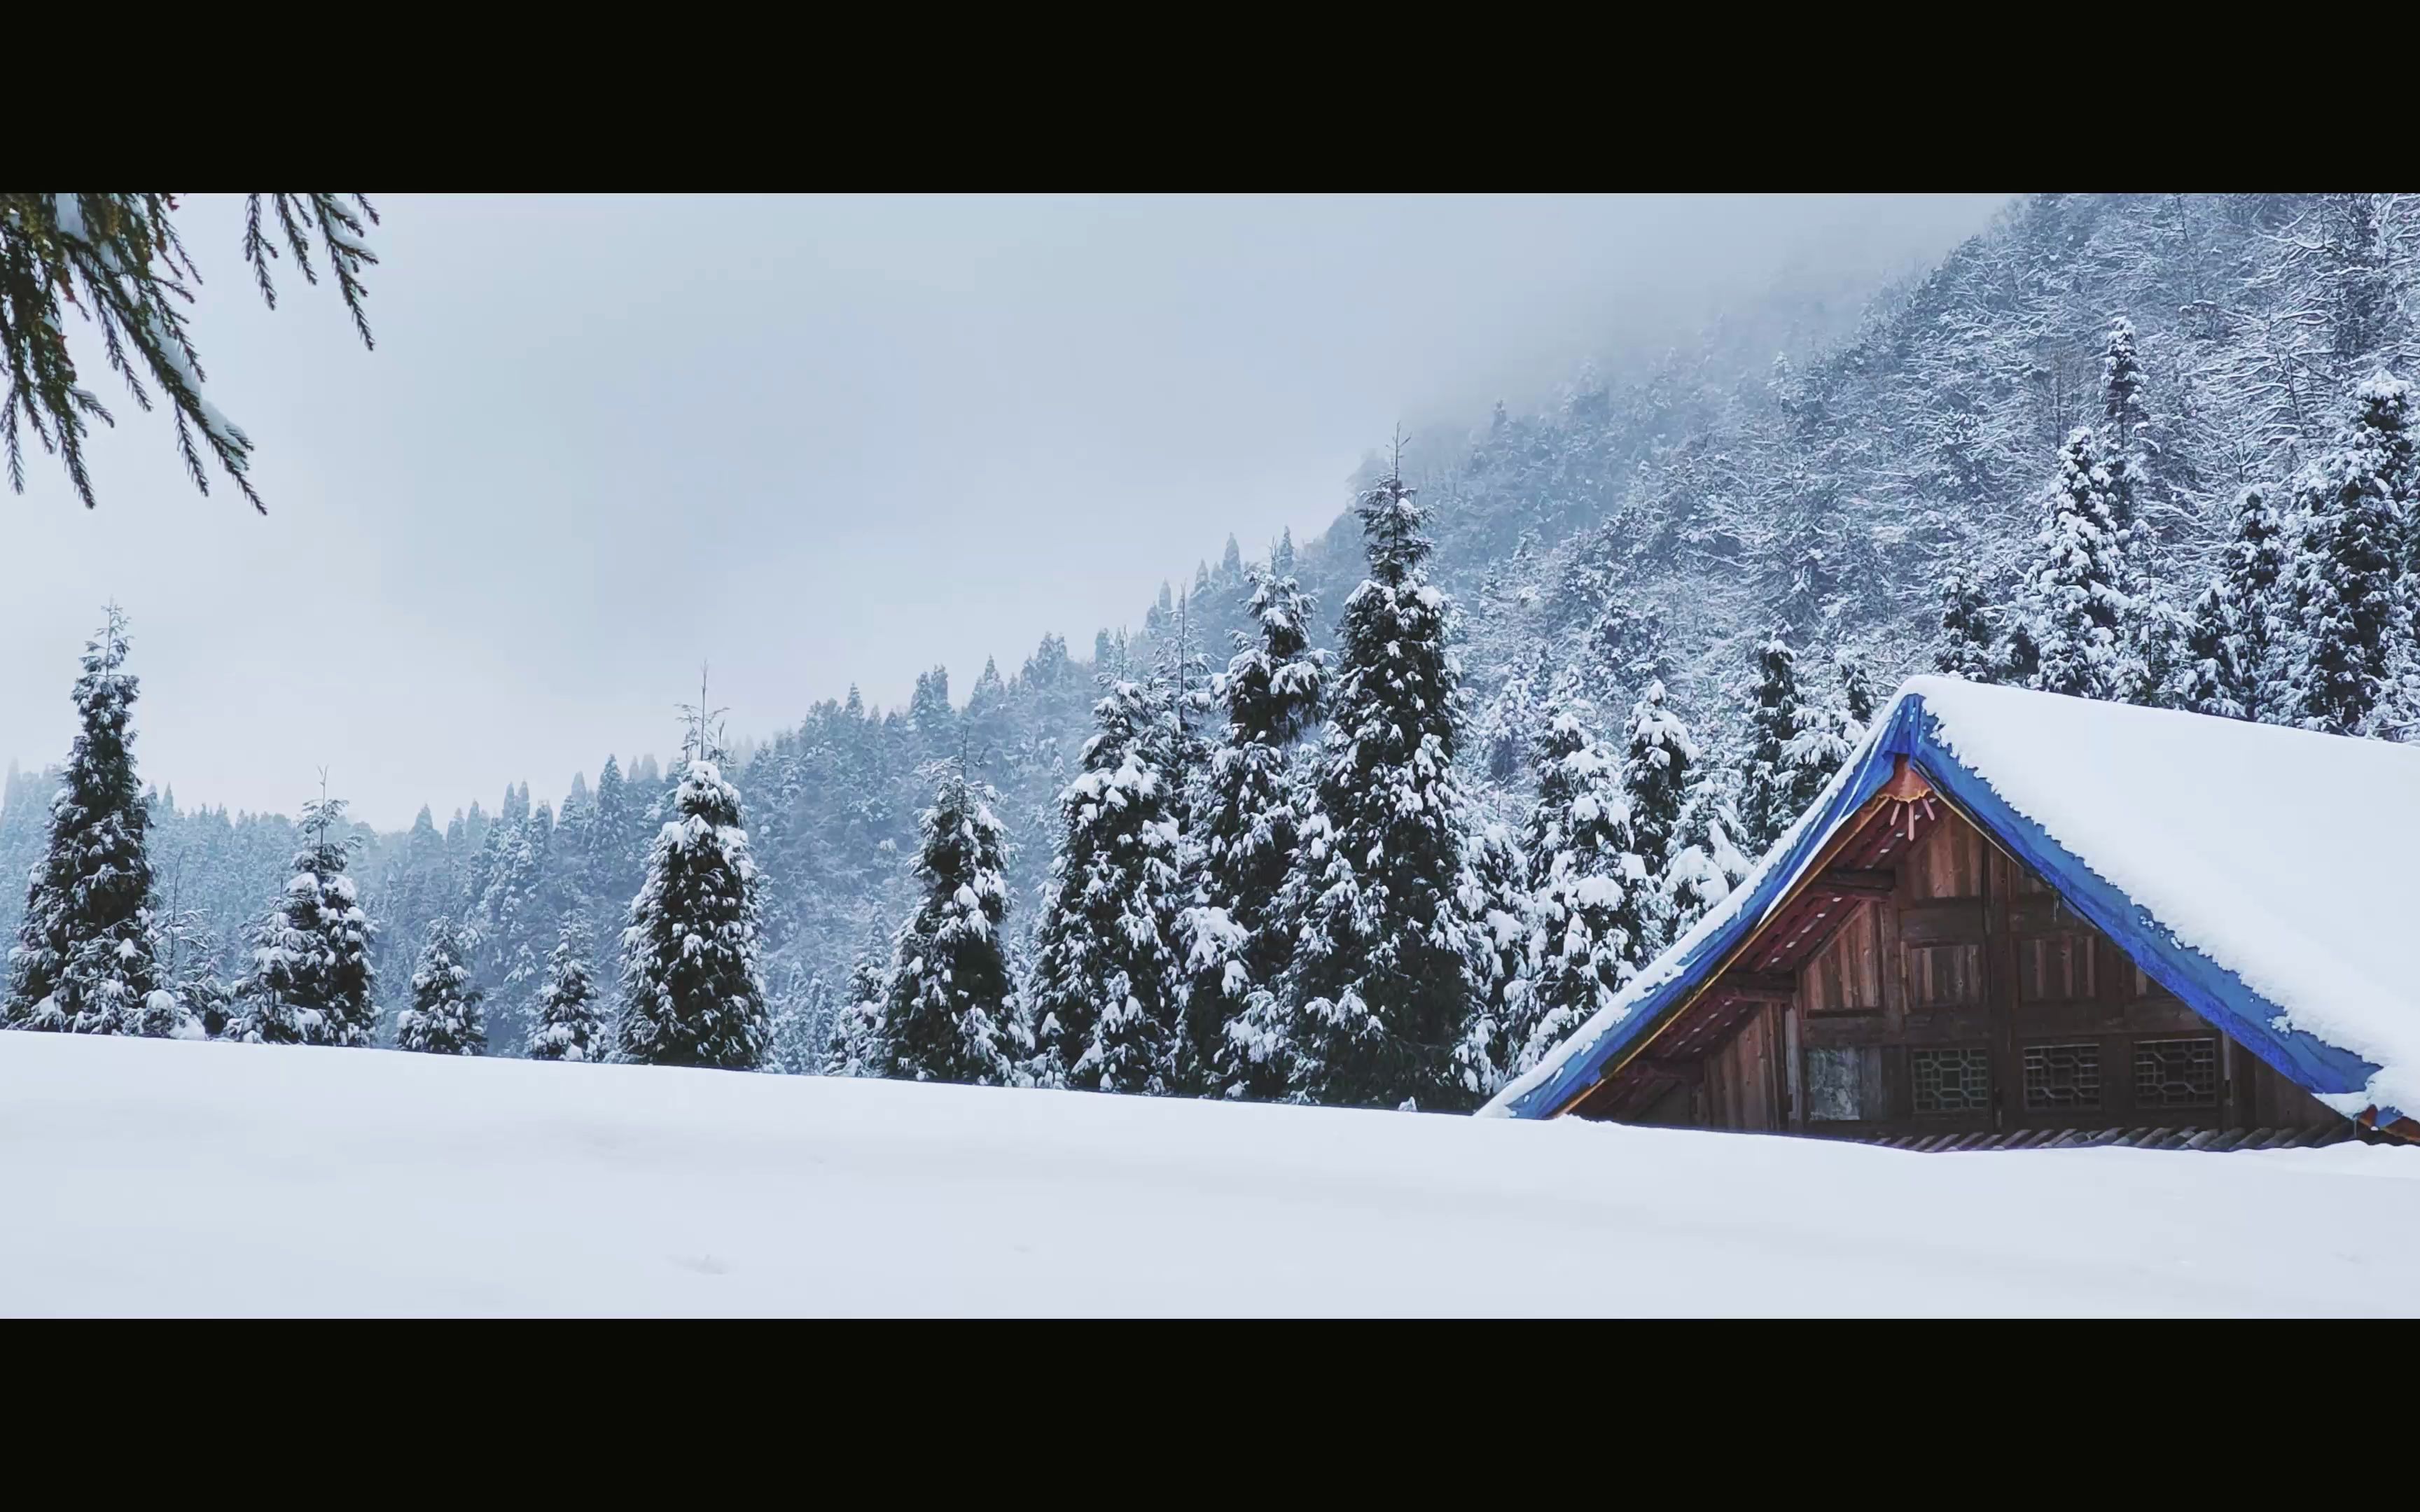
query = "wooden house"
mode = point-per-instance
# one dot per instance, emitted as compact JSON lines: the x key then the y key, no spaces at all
{"x":2021,"y":920}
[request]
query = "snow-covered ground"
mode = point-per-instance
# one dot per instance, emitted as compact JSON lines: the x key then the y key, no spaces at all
{"x":157,"y":1177}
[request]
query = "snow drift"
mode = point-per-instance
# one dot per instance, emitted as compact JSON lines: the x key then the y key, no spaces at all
{"x":161,"y":1176}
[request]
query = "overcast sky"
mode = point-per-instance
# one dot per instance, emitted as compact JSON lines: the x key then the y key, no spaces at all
{"x":813,"y":441}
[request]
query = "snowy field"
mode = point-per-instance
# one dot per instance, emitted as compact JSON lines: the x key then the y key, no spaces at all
{"x":155,"y":1177}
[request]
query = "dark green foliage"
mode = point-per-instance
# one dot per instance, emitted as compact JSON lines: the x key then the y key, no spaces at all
{"x":116,"y":261}
{"x":86,"y":960}
{"x":311,"y":974}
{"x":1243,"y":831}
{"x":1387,"y":963}
{"x":692,"y":995}
{"x":1106,"y":974}
{"x":948,"y":1014}
{"x":445,"y":1017}
{"x":570,"y":1023}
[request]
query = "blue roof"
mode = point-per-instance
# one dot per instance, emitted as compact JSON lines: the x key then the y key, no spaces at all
{"x":1912,"y":730}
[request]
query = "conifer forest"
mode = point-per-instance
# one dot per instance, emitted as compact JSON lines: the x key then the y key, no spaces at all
{"x":1376,"y":818}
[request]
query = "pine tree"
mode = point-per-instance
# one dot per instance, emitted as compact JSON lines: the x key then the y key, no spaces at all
{"x":2074,"y":604}
{"x":1107,"y":973}
{"x":123,"y":251}
{"x":570,"y":1020}
{"x":2349,"y":614}
{"x":2121,"y":391}
{"x":1593,"y":911}
{"x":518,"y":911}
{"x":607,"y":832}
{"x":2125,"y":437}
{"x":1969,"y":628}
{"x":1793,"y":749}
{"x":311,"y":978}
{"x":445,"y":1017}
{"x":87,"y":947}
{"x":1656,"y":769}
{"x":691,"y":991}
{"x":1387,"y":964}
{"x":1235,"y":941}
{"x":2227,"y":666}
{"x":1496,"y":897}
{"x":1707,"y":862}
{"x":929,"y":714}
{"x":1857,"y":691}
{"x":1515,"y":718}
{"x":859,"y":1043}
{"x":806,"y":1018}
{"x":948,"y":1016}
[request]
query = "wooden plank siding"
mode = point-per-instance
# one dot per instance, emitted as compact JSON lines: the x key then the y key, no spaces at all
{"x":1956,"y":995}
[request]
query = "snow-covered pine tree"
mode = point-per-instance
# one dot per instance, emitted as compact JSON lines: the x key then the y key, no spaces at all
{"x":1108,"y":972}
{"x":1517,"y":716}
{"x":857,"y":1042}
{"x":806,"y":1016}
{"x":445,"y":1017}
{"x":948,"y":1016}
{"x":691,"y":990}
{"x":1970,"y":629}
{"x":2350,"y":610}
{"x":188,"y":951}
{"x":2126,"y":425}
{"x":311,"y":980}
{"x":87,"y":947}
{"x":1793,"y":749}
{"x":1387,"y":964}
{"x":571,"y":1022}
{"x":1496,"y":897}
{"x":1243,"y":832}
{"x":1707,"y":862}
{"x":2227,"y":665}
{"x":1856,"y":692}
{"x":2121,"y":391}
{"x":2150,"y":629}
{"x":1657,"y":766}
{"x":518,"y":910}
{"x":1593,"y":908}
{"x":931,"y":717}
{"x":2073,"y":605}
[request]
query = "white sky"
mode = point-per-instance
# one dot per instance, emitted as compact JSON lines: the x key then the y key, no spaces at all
{"x":811,"y":441}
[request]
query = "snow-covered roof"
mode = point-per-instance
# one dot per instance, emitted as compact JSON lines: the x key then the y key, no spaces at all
{"x":2266,"y":876}
{"x":159,"y":1176}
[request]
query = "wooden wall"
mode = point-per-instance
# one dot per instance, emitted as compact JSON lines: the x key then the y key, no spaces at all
{"x":1971,"y":998}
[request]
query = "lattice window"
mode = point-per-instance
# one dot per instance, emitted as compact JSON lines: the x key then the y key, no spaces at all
{"x":2055,"y":968}
{"x":2176,"y":1073}
{"x":1945,"y":976}
{"x":2062,"y":1076}
{"x":1950,"y":1081}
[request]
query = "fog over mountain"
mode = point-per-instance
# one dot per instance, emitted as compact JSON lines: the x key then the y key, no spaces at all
{"x":817,"y":443}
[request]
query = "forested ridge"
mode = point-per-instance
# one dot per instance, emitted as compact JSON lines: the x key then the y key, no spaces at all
{"x":1377,"y":819}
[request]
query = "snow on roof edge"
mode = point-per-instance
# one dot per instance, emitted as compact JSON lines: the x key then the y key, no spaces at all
{"x":1758,"y":892}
